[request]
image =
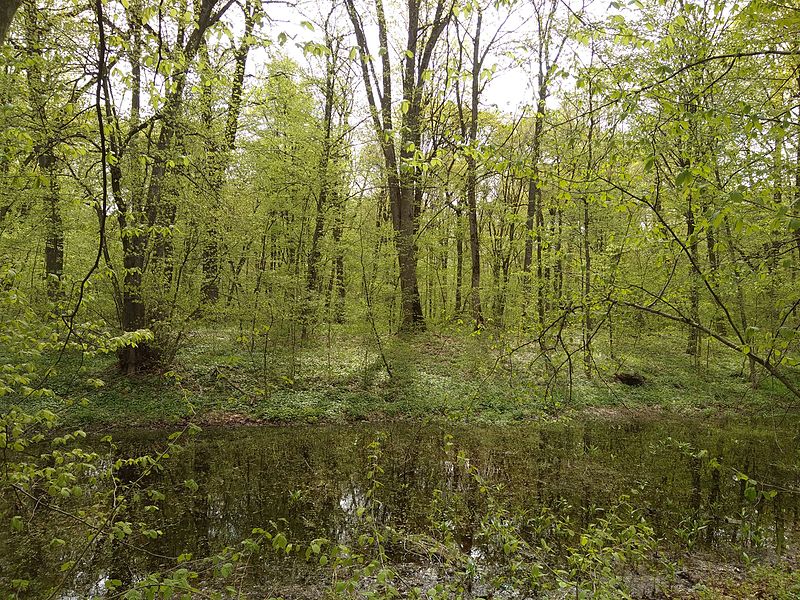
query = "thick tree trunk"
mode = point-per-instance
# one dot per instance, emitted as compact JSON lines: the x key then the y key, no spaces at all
{"x":405,"y":241}
{"x":7,"y":10}
{"x":133,"y":358}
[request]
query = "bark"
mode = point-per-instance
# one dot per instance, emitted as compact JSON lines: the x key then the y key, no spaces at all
{"x":558,"y":267}
{"x":693,"y":337}
{"x":796,"y":202}
{"x":54,"y":241}
{"x":713,"y":263}
{"x":740,"y":300}
{"x":459,"y":262}
{"x":534,"y":217}
{"x":338,"y":261}
{"x":7,"y":10}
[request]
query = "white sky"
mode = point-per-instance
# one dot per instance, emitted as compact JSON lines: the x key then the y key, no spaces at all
{"x":509,"y":90}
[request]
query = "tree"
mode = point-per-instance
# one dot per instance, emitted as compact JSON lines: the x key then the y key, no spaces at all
{"x":549,"y":46}
{"x":425,"y":26}
{"x":137,"y":181}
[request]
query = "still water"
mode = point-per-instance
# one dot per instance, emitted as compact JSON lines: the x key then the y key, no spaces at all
{"x":683,"y":475}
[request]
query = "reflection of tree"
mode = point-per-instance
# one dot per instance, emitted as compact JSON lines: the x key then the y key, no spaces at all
{"x":199,"y":510}
{"x":245,"y":480}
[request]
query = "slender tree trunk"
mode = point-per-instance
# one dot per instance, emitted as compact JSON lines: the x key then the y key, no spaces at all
{"x":47,"y":161}
{"x":145,"y":208}
{"x":693,"y":338}
{"x":338,"y":261}
{"x":796,"y":203}
{"x":472,"y":180}
{"x":587,"y":272}
{"x":459,"y":262}
{"x":740,"y":299}
{"x":54,"y":241}
{"x":548,"y":56}
{"x":540,"y":279}
{"x":324,"y":172}
{"x":218,"y":160}
{"x":558,"y":278}
{"x":534,"y":218}
{"x":713,"y":262}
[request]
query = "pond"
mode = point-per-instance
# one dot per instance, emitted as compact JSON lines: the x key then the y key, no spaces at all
{"x":729,"y":488}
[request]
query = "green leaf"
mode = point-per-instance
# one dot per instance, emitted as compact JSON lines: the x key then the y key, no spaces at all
{"x":683,"y":178}
{"x":750,"y":493}
{"x":16,"y":523}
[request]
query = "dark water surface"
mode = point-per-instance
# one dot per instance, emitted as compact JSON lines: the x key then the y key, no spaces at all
{"x":310,"y":480}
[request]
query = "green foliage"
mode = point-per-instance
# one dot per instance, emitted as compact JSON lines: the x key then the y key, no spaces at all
{"x":195,"y":225}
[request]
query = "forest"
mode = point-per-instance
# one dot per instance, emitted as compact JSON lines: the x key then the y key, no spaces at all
{"x":399,"y":299}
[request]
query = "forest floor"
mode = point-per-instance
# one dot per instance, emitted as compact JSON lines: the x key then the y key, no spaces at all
{"x":458,"y":376}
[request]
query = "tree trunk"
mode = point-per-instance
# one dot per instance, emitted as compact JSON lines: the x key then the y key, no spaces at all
{"x":145,"y":208}
{"x":209,"y":289}
{"x":405,"y":241}
{"x":402,"y":180}
{"x":693,"y":338}
{"x":740,"y":301}
{"x":459,"y":262}
{"x":587,"y":271}
{"x":324,"y":172}
{"x":54,"y":241}
{"x":472,"y":181}
{"x":534,"y":218}
{"x":7,"y":10}
{"x":338,"y":261}
{"x":47,"y":161}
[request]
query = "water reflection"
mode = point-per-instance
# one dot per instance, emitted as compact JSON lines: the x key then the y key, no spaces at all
{"x":311,"y":481}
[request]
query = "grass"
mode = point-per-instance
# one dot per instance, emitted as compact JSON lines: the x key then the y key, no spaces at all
{"x":458,"y":375}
